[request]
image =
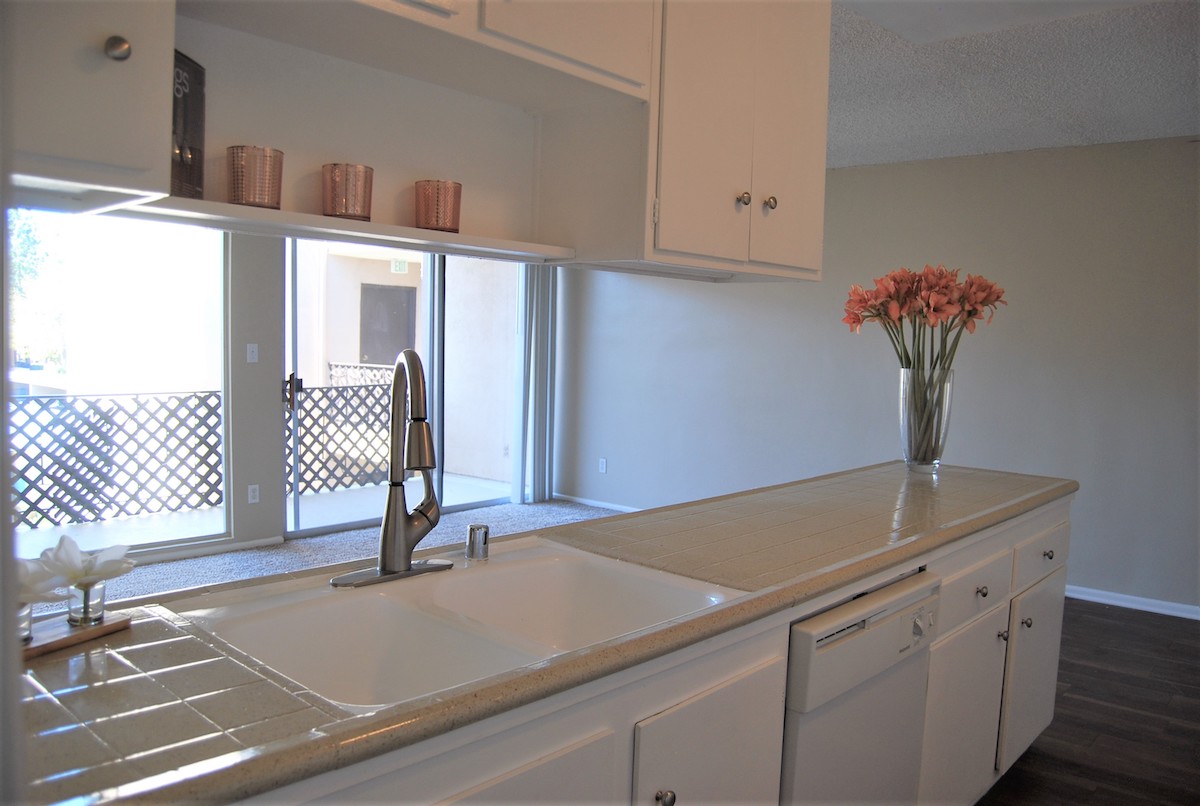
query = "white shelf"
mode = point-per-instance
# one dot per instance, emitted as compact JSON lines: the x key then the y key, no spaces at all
{"x":263,"y":221}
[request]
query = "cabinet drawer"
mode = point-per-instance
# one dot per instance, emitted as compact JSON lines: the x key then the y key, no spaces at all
{"x":1039,"y":556}
{"x":975,"y":591}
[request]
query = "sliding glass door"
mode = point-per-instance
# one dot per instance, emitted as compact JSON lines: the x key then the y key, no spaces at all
{"x":351,"y":310}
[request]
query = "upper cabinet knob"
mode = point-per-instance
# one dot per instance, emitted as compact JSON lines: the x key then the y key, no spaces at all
{"x":982,"y":591}
{"x":118,"y":48}
{"x":771,"y":202}
{"x":665,"y":797}
{"x":745,"y":198}
{"x":1048,"y":554}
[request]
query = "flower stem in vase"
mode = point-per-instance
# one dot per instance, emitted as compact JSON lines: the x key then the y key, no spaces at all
{"x":86,"y":605}
{"x":924,"y":416}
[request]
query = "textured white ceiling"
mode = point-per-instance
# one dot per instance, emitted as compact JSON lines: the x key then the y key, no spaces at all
{"x":985,"y":76}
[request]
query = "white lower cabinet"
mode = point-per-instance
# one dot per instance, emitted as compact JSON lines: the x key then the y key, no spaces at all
{"x":738,"y":760}
{"x":962,"y":710}
{"x":1031,"y":669}
{"x":993,"y":674}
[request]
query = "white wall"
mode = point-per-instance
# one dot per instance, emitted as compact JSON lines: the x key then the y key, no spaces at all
{"x":254,"y":449}
{"x":691,"y":390}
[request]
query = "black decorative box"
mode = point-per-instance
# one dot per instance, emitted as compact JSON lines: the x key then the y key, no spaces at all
{"x":187,"y":130}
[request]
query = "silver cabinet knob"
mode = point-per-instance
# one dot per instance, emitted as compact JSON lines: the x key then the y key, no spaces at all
{"x":1002,"y":635}
{"x":745,"y":198}
{"x":771,"y":202}
{"x":1028,"y":622}
{"x":1048,"y":554}
{"x":982,"y":591}
{"x":118,"y":48}
{"x":665,"y":797}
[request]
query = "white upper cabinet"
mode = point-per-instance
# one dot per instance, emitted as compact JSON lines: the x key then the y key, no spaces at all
{"x":90,"y":113}
{"x":791,"y":114}
{"x":741,"y":174}
{"x":664,"y":136}
{"x":723,"y":174}
{"x":707,"y":136}
{"x":612,"y":38}
{"x":530,"y":53}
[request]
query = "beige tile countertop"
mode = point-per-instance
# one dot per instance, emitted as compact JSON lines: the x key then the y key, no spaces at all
{"x":164,"y":711}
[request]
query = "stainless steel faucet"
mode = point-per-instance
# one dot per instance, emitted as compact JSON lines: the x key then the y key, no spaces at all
{"x":411,"y":448}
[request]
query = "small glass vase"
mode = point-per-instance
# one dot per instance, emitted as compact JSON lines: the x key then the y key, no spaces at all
{"x":85,"y":606}
{"x":924,"y":416}
{"x":25,"y":622}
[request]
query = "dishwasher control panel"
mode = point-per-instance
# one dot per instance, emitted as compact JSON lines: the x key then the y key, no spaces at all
{"x":837,"y":650}
{"x":922,"y":623}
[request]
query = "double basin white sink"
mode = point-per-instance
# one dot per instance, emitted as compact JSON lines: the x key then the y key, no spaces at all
{"x":395,"y":641}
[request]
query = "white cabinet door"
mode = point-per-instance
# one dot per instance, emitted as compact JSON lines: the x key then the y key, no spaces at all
{"x":738,"y":111}
{"x":581,"y":773}
{"x":743,"y":118}
{"x":94,"y":128}
{"x":966,"y":678}
{"x":1031,"y":671}
{"x":722,"y":745}
{"x":707,"y":128}
{"x":790,"y":132}
{"x":610,"y":36}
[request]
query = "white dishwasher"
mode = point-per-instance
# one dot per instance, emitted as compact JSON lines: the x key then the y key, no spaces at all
{"x":856,"y":696}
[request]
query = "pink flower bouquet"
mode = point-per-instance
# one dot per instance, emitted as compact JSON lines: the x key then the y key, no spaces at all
{"x":924,"y":315}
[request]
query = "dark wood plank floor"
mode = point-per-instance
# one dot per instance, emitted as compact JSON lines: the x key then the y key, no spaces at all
{"x":1126,"y":724}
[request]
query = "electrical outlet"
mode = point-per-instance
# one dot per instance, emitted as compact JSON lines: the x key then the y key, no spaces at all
{"x":252,"y":494}
{"x":603,"y":465}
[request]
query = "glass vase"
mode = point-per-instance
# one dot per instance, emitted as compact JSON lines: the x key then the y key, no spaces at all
{"x":25,"y":622}
{"x":86,"y":604}
{"x":924,"y":416}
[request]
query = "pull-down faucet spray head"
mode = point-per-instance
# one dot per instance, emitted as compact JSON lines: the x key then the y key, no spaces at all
{"x":411,"y":436}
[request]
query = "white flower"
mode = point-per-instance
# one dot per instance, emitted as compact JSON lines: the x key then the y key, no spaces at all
{"x":85,"y":568}
{"x":37,"y":583}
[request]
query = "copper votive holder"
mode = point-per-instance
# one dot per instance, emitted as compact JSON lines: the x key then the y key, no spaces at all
{"x":346,"y":190}
{"x":438,"y":202}
{"x":255,"y":175}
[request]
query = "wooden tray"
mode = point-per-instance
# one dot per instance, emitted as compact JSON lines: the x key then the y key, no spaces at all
{"x":53,"y":634}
